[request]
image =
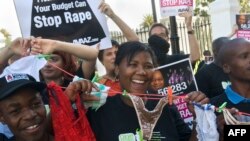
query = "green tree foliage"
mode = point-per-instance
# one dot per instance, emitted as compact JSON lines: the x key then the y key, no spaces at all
{"x":201,"y":8}
{"x":6,"y":35}
{"x":148,"y":20}
{"x":245,"y":6}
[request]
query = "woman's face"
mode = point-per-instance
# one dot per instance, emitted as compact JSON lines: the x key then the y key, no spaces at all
{"x":109,"y":58}
{"x":135,"y":76}
{"x":157,"y":81}
{"x":50,"y":72}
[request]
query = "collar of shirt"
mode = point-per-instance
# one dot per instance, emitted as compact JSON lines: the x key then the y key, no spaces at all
{"x":234,"y":97}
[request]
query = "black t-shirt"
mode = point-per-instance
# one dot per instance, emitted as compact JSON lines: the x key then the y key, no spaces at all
{"x":209,"y":80}
{"x":115,"y":118}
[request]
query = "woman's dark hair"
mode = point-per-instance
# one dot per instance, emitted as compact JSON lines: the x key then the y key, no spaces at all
{"x":101,"y":52}
{"x":158,"y":25}
{"x":69,"y":63}
{"x":130,"y":49}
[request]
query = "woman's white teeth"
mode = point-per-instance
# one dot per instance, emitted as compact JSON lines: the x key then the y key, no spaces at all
{"x":32,"y":127}
{"x":138,"y":81}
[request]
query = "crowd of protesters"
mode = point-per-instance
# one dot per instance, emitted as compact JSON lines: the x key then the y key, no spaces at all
{"x":52,"y":107}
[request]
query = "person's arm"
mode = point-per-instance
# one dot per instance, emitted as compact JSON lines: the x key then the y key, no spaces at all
{"x":126,"y":30}
{"x":18,"y":46}
{"x":48,"y":46}
{"x":5,"y":54}
{"x":234,"y":31}
{"x":193,"y":43}
{"x":87,"y":53}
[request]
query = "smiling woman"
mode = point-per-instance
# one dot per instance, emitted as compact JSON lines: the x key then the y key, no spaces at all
{"x":134,"y":65}
{"x":121,"y":116}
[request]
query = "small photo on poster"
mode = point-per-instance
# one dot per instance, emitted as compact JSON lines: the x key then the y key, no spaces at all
{"x":179,"y":76}
{"x":243,"y":23}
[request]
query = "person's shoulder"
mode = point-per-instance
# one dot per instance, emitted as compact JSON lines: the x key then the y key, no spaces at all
{"x":215,"y":70}
{"x":218,"y":100}
{"x":176,"y":57}
{"x":207,"y":69}
{"x":4,"y":138}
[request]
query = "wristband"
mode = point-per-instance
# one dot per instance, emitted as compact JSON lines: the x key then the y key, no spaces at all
{"x":190,"y":32}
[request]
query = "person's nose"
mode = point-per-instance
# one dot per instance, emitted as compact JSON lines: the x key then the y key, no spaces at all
{"x":141,"y":70}
{"x":47,"y":65}
{"x":113,"y":55}
{"x":29,"y":114}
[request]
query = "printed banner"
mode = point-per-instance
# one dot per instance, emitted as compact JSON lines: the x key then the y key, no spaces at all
{"x":76,"y":21}
{"x":179,"y":76}
{"x":174,"y":7}
{"x":243,"y":23}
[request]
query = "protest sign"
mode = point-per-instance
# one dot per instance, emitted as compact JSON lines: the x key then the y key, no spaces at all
{"x":243,"y":23}
{"x":179,"y":76}
{"x":174,"y":7}
{"x":76,"y":21}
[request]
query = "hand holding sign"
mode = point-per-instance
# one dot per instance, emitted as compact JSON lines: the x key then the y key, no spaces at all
{"x":42,"y":46}
{"x":106,"y":9}
{"x":188,"y":17}
{"x":234,"y":31}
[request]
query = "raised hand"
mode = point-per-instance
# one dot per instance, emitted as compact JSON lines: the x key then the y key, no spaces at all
{"x":188,"y":17}
{"x":106,"y":9}
{"x":42,"y":46}
{"x":20,"y":46}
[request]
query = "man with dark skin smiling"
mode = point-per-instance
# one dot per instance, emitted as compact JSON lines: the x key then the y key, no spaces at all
{"x":22,"y":108}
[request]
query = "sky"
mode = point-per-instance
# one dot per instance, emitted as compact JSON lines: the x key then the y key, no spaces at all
{"x":131,"y":11}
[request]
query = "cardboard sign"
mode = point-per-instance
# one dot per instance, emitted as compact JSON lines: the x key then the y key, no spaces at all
{"x":243,"y":23}
{"x":76,"y":21}
{"x":179,"y":76}
{"x":174,"y":7}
